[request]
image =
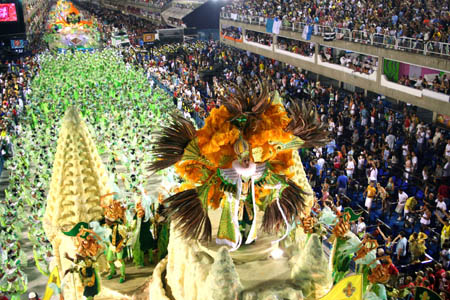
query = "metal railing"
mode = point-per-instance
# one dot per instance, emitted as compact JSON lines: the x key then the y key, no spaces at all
{"x":437,"y":48}
{"x":362,"y":37}
{"x":410,"y":44}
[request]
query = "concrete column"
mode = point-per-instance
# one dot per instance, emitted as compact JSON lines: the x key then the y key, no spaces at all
{"x":434,"y":117}
{"x":365,"y":93}
{"x":274,"y":42}
{"x":380,"y":69}
{"x":316,"y":52}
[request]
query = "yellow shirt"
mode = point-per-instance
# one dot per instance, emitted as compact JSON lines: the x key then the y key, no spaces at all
{"x":411,"y":202}
{"x":445,"y":233}
{"x":371,"y":192}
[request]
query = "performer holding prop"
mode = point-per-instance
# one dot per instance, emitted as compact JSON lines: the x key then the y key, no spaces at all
{"x":88,"y":250}
{"x":115,"y":223}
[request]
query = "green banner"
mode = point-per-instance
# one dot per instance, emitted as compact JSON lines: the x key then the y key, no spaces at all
{"x":391,"y":69}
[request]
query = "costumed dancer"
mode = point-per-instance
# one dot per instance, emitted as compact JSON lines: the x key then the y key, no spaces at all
{"x":144,"y":240}
{"x":115,"y":223}
{"x":84,"y":263}
{"x":15,"y":281}
{"x":151,"y":231}
{"x":241,"y":161}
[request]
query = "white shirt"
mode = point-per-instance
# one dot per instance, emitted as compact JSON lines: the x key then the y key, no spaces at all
{"x":390,"y":140}
{"x":321,"y":162}
{"x":441,"y":205}
{"x":350,"y":165}
{"x":420,"y":137}
{"x":447,"y":150}
{"x":361,"y":227}
{"x":405,"y":150}
{"x":402,"y":198}
{"x":373,"y":174}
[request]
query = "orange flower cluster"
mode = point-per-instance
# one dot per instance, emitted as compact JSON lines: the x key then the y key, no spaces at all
{"x":282,"y":162}
{"x":271,"y":128}
{"x":217,"y":138}
{"x":190,"y":171}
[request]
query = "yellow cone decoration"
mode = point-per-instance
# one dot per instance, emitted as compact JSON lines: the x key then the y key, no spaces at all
{"x":54,"y":278}
{"x":349,"y":288}
{"x":79,"y":179}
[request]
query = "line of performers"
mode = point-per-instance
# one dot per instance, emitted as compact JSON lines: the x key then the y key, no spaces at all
{"x":140,"y":234}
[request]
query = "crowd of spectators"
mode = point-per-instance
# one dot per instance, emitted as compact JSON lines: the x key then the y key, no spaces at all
{"x":295,"y":46}
{"x":357,"y":62}
{"x":110,"y":20}
{"x":14,"y":87}
{"x":424,"y":20}
{"x":439,"y":84}
{"x":232,"y":32}
{"x":155,"y":3}
{"x":258,"y":37}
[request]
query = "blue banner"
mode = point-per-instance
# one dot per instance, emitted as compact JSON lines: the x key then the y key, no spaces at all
{"x":269,"y":25}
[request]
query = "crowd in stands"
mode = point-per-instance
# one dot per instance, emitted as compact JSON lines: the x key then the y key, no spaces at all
{"x":184,"y":5}
{"x":357,"y":62}
{"x":295,"y":46}
{"x":14,"y":86}
{"x":110,"y":20}
{"x":421,"y":20}
{"x":439,"y":84}
{"x":258,"y":37}
{"x":155,"y":3}
{"x":232,"y":32}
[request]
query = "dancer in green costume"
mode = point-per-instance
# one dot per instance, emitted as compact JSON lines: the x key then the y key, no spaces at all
{"x":115,"y":222}
{"x":88,"y":250}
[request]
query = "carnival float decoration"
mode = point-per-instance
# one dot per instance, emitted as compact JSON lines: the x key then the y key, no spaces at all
{"x":240,"y":172}
{"x":241,"y":161}
{"x":79,"y":179}
{"x":241,"y":220}
{"x":68,"y":29}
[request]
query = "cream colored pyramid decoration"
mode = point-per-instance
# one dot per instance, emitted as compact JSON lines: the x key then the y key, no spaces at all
{"x":79,"y":179}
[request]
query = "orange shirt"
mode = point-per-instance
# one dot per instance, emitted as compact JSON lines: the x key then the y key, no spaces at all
{"x":371,"y":192}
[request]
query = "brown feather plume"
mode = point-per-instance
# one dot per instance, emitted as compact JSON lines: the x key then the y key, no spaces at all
{"x":306,"y":125}
{"x":191,"y":219}
{"x":292,"y":204}
{"x":241,"y":102}
{"x":171,"y":141}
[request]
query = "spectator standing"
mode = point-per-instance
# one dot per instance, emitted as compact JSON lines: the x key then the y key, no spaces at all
{"x":361,"y":227}
{"x":402,"y":197}
{"x":441,"y":207}
{"x":445,"y":232}
{"x":370,"y":194}
{"x":350,"y":167}
{"x":400,"y":249}
{"x":342,"y":183}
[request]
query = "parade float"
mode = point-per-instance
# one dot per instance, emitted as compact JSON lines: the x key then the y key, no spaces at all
{"x":68,"y":29}
{"x":79,"y":179}
{"x":241,"y":219}
{"x":91,"y":229}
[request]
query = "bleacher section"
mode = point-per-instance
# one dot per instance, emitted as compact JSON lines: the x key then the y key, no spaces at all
{"x":376,"y":82}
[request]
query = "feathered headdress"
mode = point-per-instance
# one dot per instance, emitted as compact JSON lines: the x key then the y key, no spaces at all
{"x":248,"y":121}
